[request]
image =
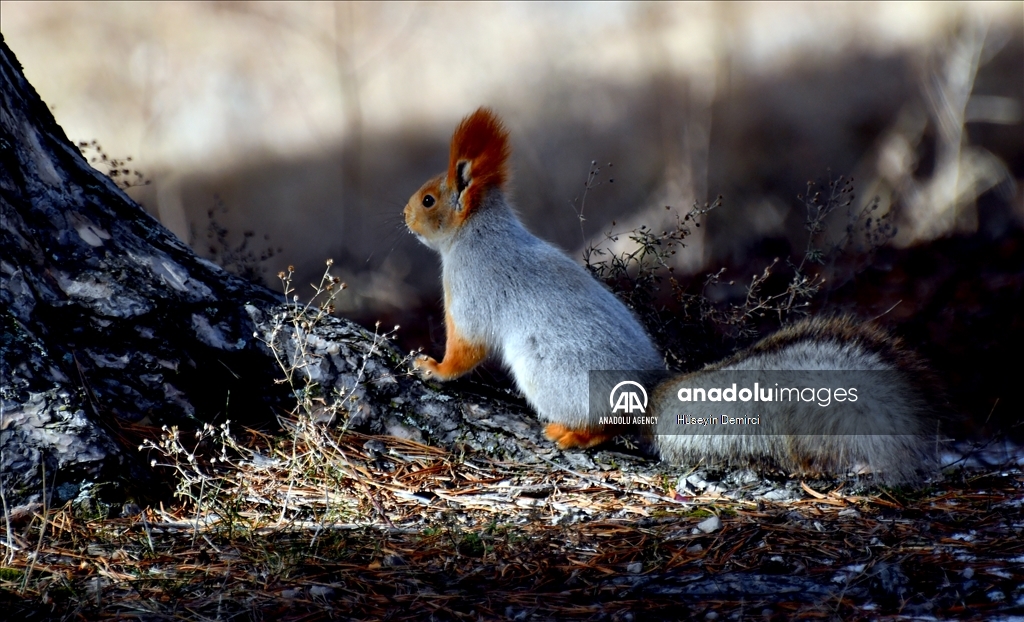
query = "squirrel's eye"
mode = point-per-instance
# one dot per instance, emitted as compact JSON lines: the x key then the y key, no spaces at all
{"x":428,"y":201}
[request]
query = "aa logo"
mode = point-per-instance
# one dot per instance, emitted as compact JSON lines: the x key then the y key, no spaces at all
{"x":628,"y":400}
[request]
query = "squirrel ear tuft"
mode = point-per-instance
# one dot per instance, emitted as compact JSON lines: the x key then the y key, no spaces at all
{"x":479,"y":158}
{"x":462,"y":178}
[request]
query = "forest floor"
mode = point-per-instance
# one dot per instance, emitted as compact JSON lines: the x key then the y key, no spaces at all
{"x":379,"y":528}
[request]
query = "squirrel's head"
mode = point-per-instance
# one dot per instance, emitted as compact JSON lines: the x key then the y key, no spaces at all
{"x":478,"y":164}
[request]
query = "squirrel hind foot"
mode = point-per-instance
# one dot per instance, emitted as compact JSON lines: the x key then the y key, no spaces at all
{"x":569,"y":438}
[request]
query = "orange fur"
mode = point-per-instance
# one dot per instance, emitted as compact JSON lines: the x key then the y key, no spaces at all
{"x":460,"y":354}
{"x":427,"y":223}
{"x":567,"y":437}
{"x":480,"y":143}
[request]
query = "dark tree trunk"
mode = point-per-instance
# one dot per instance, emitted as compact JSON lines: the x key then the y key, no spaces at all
{"x":112,"y":325}
{"x":107,"y":317}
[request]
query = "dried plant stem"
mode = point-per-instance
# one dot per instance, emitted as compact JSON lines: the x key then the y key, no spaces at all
{"x":42,"y":529}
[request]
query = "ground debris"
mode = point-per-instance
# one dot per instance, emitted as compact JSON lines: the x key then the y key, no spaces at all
{"x":390,"y":528}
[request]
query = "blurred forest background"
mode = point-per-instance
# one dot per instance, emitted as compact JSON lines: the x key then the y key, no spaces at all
{"x":278,"y":134}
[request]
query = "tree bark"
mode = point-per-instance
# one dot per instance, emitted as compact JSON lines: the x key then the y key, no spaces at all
{"x":111,"y":326}
{"x":107,"y":317}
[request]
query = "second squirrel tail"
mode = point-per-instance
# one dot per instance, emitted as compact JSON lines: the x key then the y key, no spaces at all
{"x":824,"y":396}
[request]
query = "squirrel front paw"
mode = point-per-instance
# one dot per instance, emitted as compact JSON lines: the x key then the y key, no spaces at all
{"x":568,"y":438}
{"x":425,"y":366}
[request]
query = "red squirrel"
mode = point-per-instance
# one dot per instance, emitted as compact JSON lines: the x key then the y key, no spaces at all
{"x":511,"y":294}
